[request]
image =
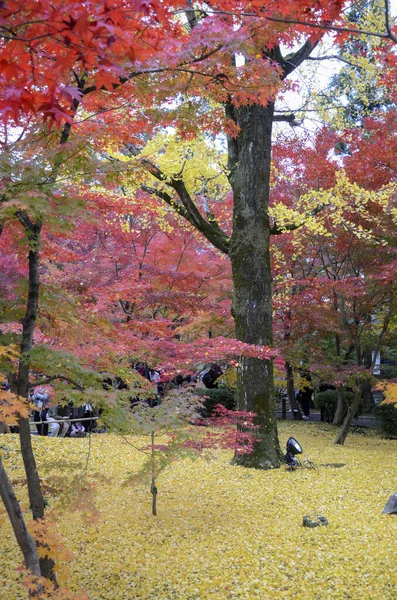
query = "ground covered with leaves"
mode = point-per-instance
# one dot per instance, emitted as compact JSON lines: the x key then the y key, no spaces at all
{"x":222,"y":531}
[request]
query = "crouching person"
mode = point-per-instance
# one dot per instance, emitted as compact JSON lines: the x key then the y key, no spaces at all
{"x":77,"y":430}
{"x":56,"y":420}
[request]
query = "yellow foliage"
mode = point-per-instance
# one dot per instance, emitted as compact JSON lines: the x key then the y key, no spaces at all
{"x":222,"y":532}
{"x":10,"y":352}
{"x":389,"y":389}
{"x":200,"y":164}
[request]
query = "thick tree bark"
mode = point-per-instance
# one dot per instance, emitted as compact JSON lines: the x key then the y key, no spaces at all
{"x":24,"y":539}
{"x":248,"y":249}
{"x":249,"y":162}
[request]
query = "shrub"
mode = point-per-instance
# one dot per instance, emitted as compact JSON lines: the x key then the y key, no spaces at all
{"x":327,"y":402}
{"x":216,"y":396}
{"x":386,"y":415}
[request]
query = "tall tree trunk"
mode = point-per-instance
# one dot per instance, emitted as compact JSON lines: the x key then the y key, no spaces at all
{"x":21,"y":384}
{"x":351,"y":411}
{"x":248,"y":248}
{"x":24,"y":539}
{"x":249,"y":160}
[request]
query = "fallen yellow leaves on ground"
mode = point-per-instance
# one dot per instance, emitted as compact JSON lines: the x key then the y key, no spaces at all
{"x":222,"y":532}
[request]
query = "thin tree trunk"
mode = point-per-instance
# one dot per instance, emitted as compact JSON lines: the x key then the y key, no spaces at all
{"x":153,"y":488}
{"x":338,"y":416}
{"x":22,"y":383}
{"x":249,"y":159}
{"x":24,"y":539}
{"x":351,"y":411}
{"x":368,"y":397}
{"x":296,"y":412}
{"x":283,"y":407}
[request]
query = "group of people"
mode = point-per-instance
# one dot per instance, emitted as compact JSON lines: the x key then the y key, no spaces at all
{"x":61,"y":421}
{"x":65,"y":420}
{"x":55,"y":420}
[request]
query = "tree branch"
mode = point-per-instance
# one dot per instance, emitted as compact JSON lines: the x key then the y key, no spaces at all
{"x":276,"y":230}
{"x":334,"y":57}
{"x":191,"y":15}
{"x":387,"y":23}
{"x":287,"y":118}
{"x":52,"y":378}
{"x":323,"y":26}
{"x":168,"y":199}
{"x":291,"y":62}
{"x":188,"y":209}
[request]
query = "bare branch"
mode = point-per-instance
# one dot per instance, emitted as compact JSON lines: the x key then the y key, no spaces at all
{"x":136,"y":447}
{"x":387,"y":23}
{"x":335,"y":57}
{"x":287,"y":118}
{"x":323,"y":26}
{"x":52,"y":378}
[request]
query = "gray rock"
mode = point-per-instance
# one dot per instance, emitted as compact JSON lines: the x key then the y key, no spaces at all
{"x":314,"y":521}
{"x":391,"y":506}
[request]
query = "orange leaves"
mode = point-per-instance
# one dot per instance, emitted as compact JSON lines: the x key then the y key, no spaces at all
{"x":50,"y":44}
{"x":12,"y":407}
{"x":47,"y":43}
{"x":43,"y":589}
{"x":389,"y":389}
{"x":49,"y":542}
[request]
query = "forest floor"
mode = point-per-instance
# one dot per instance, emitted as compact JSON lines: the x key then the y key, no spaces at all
{"x":222,"y":532}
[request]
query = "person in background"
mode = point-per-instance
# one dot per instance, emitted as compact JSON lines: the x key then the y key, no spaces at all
{"x":143,"y":369}
{"x":304,"y":398}
{"x":77,"y":430}
{"x":5,"y":387}
{"x":88,"y":412}
{"x":56,"y":420}
{"x":4,"y":428}
{"x":41,"y":401}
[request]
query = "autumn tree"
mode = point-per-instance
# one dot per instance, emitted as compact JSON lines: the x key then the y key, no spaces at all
{"x":335,"y":275}
{"x":101,"y":55}
{"x":248,"y":115}
{"x":81,"y":41}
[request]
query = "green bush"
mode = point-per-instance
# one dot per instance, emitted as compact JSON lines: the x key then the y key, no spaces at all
{"x":386,"y":415}
{"x":327,"y":402}
{"x":216,"y":396}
